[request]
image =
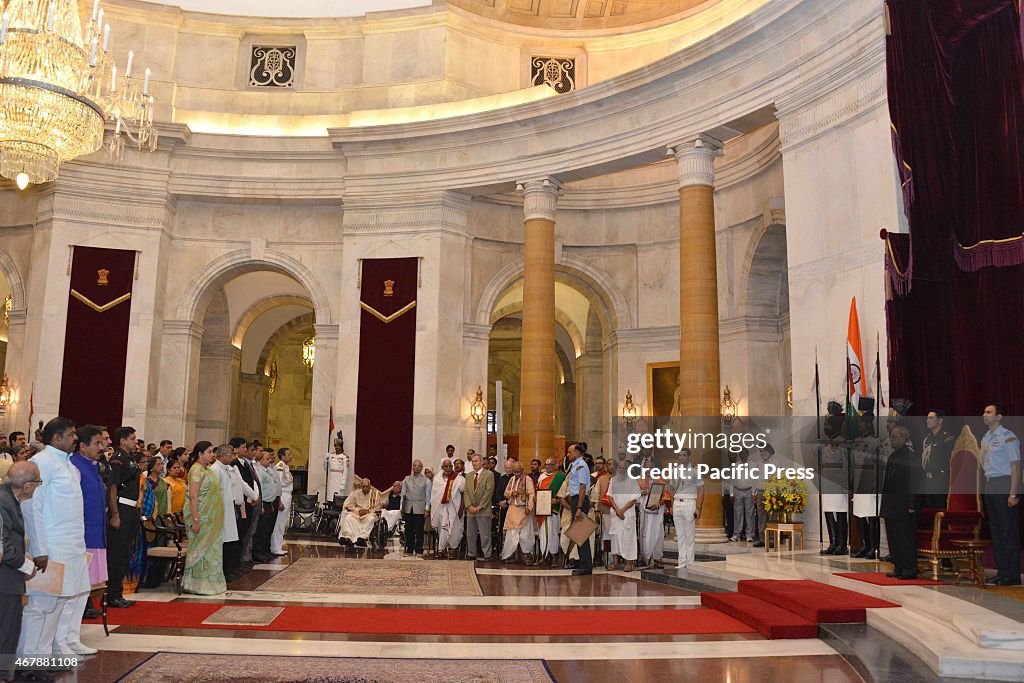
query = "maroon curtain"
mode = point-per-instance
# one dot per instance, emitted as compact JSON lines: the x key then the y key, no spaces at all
{"x":96,"y":336}
{"x":387,"y":365}
{"x":956,"y":98}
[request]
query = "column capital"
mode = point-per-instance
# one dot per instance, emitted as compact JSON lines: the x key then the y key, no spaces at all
{"x":695,"y":160}
{"x":540,"y":198}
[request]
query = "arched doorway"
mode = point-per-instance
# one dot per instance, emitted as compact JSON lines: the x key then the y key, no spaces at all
{"x":767,"y":311}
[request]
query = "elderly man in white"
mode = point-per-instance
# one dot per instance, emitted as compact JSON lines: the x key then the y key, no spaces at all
{"x":55,"y":526}
{"x":361,"y":509}
{"x":446,"y":508}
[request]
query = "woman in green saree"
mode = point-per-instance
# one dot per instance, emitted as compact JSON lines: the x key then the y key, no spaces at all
{"x":204,"y":520}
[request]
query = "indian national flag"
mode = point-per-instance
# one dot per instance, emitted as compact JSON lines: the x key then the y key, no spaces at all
{"x":858,"y":383}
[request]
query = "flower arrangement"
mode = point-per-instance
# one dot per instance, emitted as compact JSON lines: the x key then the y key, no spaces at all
{"x":785,"y":496}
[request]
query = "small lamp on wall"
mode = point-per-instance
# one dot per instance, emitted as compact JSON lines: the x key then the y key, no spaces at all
{"x":5,"y":393}
{"x":309,"y":352}
{"x":478,"y":409}
{"x":629,"y":411}
{"x":728,"y":407}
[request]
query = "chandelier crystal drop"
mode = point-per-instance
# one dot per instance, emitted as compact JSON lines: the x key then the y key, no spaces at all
{"x":58,"y":86}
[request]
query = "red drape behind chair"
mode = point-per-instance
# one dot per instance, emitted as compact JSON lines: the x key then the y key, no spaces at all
{"x":956,"y":98}
{"x":96,"y":336}
{"x":387,"y":368}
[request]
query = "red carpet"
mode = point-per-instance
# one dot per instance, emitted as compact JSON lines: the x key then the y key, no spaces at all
{"x":814,"y":601}
{"x":465,"y":622}
{"x":880,"y":579}
{"x":770,"y":621}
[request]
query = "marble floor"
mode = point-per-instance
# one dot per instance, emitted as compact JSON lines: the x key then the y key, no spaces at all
{"x":728,"y":657}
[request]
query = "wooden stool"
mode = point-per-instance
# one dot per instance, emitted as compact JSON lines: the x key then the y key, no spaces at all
{"x":776,"y":529}
{"x":974,"y":548}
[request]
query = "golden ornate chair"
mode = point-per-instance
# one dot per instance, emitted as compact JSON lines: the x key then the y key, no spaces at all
{"x":963,"y":513}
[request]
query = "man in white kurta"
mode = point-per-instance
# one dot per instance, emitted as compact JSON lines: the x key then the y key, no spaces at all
{"x":360,"y":515}
{"x":284,"y":473}
{"x":339,"y":471}
{"x":550,"y":526}
{"x":624,"y":496}
{"x":446,"y":507}
{"x":230,"y":492}
{"x":652,"y":521}
{"x":55,"y":526}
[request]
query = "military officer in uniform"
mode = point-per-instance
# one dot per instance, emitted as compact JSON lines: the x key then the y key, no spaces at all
{"x":835,"y":488}
{"x":936,"y":451}
{"x":339,"y":471}
{"x":1000,"y":459}
{"x":123,"y":492}
{"x":866,"y":461}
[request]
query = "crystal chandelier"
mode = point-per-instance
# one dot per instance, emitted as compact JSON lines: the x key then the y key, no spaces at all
{"x":57,"y":88}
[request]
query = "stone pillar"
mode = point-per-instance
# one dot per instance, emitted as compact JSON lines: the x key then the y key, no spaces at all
{"x":537,"y":384}
{"x":699,"y":376}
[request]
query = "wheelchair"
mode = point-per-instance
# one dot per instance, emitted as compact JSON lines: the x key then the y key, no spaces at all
{"x":305,"y":512}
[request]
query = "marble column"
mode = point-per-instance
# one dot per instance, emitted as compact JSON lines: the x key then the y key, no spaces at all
{"x":699,"y":375}
{"x":537,"y":384}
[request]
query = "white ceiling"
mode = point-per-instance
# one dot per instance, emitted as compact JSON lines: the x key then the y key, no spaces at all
{"x":295,"y":8}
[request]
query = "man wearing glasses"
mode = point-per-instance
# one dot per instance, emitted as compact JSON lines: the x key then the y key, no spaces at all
{"x":17,"y":567}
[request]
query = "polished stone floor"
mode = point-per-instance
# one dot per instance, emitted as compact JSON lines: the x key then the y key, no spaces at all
{"x":729,"y":657}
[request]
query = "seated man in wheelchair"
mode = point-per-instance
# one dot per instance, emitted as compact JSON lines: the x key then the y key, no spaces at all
{"x":391,"y":512}
{"x":360,"y":514}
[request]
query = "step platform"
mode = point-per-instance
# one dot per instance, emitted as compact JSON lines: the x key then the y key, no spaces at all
{"x":816,"y":602}
{"x":769,"y":620}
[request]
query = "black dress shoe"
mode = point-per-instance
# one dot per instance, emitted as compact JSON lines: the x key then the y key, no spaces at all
{"x":581,"y":572}
{"x":907,"y":577}
{"x":892,"y":575}
{"x":863,"y":552}
{"x":831,"y":550}
{"x":91,"y":613}
{"x":886,"y":558}
{"x":120,"y":602}
{"x":841,"y":551}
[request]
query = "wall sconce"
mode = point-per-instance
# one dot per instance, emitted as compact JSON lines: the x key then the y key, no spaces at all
{"x":309,"y":352}
{"x":789,"y":396}
{"x":8,"y":304}
{"x":273,"y":376}
{"x":5,"y":393}
{"x":629,"y":411}
{"x":728,"y":407}
{"x":478,"y":409}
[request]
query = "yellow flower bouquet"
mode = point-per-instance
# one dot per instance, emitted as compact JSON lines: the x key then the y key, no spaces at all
{"x":785,"y":496}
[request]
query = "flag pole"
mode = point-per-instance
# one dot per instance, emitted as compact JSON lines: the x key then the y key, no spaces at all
{"x":817,"y":430}
{"x":878,"y":448}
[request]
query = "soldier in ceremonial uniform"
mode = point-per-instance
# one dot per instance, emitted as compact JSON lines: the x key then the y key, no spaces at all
{"x":339,"y":471}
{"x":936,"y":451}
{"x":124,"y":513}
{"x":866,"y":449}
{"x":1000,"y":459}
{"x":834,"y":480}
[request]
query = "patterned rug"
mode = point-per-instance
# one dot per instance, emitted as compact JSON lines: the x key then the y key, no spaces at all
{"x":244,"y":616}
{"x":340,"y":575}
{"x":196,"y":668}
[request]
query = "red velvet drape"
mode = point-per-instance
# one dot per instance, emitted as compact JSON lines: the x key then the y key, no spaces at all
{"x":96,"y":341}
{"x":956,"y":98}
{"x":387,"y":368}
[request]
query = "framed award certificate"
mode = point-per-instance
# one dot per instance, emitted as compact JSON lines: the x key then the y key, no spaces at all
{"x":654,"y":495}
{"x":543,"y":503}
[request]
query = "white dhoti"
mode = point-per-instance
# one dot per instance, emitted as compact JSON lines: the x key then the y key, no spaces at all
{"x":445,"y":519}
{"x":652,"y":530}
{"x":353,"y":527}
{"x":547,"y":534}
{"x":683,"y":511}
{"x":277,"y":538}
{"x":622,"y":532}
{"x":521,"y":538}
{"x":392,"y":518}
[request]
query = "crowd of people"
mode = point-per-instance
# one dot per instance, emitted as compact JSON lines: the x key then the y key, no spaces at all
{"x":79,"y":513}
{"x":524,"y":517}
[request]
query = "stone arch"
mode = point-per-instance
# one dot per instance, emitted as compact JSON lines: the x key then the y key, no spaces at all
{"x":604,"y":295}
{"x":765,"y":269}
{"x":560,"y":317}
{"x":305,"y":320}
{"x":228,"y":266}
{"x":261,"y":307}
{"x":14,"y":280}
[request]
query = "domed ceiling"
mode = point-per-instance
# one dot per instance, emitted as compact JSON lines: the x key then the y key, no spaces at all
{"x":578,"y":14}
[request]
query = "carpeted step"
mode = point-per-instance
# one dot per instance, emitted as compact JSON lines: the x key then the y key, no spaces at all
{"x":814,"y":601}
{"x":771,"y":621}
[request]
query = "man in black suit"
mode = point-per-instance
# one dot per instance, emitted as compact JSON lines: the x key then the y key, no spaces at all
{"x":900,"y":503}
{"x":247,"y":526}
{"x":17,"y":567}
{"x":936,"y":452}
